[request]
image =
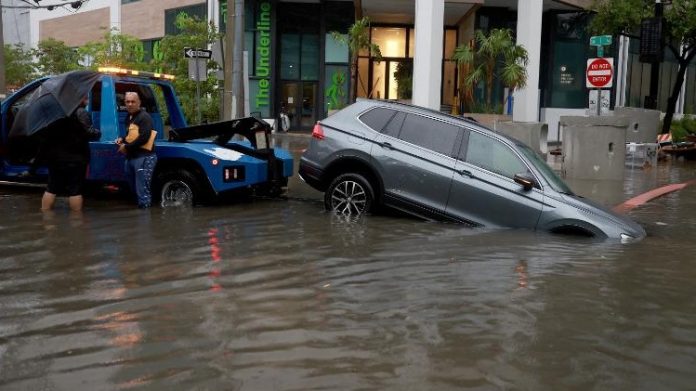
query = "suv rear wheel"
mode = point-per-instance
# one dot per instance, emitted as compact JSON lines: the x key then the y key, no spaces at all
{"x":349,"y":195}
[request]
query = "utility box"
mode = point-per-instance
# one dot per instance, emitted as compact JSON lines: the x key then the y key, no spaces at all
{"x":643,"y":125}
{"x":534,"y":134}
{"x":593,"y":147}
{"x":641,"y":155}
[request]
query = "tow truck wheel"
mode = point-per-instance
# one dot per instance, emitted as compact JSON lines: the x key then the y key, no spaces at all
{"x":349,"y":195}
{"x":178,"y":188}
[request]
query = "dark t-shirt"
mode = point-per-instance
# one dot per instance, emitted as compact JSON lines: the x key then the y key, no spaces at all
{"x":67,"y":140}
{"x":141,"y":123}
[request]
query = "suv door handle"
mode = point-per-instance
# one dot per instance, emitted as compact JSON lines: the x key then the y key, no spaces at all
{"x":386,"y":145}
{"x":465,"y":173}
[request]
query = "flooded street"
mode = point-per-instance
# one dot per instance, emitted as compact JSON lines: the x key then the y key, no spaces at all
{"x":280,"y":295}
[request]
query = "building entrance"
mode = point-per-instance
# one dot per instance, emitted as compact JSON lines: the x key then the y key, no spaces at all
{"x":298,"y":99}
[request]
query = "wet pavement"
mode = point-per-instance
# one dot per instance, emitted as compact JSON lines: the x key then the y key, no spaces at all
{"x":279,"y":295}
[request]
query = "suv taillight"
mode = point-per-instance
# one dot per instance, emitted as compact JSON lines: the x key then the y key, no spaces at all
{"x":318,"y":132}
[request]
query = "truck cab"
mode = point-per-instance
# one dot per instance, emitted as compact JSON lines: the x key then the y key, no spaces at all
{"x":195,"y":163}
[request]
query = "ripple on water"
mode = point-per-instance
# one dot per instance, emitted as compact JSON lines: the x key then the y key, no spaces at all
{"x":280,"y":295}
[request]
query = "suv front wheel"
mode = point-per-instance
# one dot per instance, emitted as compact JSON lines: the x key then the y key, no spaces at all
{"x":349,"y":195}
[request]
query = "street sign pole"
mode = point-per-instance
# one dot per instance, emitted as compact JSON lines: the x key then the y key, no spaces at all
{"x":196,"y":55}
{"x":198,"y":93}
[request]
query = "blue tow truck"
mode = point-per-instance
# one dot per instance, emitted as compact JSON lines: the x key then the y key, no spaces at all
{"x":195,"y":163}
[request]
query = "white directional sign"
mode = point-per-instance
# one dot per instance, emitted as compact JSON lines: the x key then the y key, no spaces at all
{"x":197,"y":53}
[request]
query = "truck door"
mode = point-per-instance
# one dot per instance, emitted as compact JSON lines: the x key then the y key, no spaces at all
{"x":106,"y":165}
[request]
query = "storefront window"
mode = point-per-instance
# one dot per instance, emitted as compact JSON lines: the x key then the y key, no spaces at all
{"x":391,"y":41}
{"x":379,"y":84}
{"x":448,"y":84}
{"x":411,"y":42}
{"x":450,"y":43}
{"x":563,"y":82}
{"x":290,"y":56}
{"x":335,"y":51}
{"x":309,"y":58}
{"x":363,"y":72}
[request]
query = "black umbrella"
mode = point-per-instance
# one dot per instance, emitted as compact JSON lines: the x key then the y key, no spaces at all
{"x":56,"y":98}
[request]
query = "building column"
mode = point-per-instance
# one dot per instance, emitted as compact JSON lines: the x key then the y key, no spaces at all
{"x":529,"y":13}
{"x":115,"y":15}
{"x":427,"y":60}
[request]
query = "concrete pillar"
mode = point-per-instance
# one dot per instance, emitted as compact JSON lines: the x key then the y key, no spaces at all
{"x":594,"y":147}
{"x":622,"y":70}
{"x":529,"y":14}
{"x":533,"y":134}
{"x":643,"y":124}
{"x":214,"y":12}
{"x":115,"y":15}
{"x":427,"y":61}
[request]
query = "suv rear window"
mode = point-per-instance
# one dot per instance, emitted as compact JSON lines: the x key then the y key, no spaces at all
{"x":377,"y":118}
{"x":428,"y":133}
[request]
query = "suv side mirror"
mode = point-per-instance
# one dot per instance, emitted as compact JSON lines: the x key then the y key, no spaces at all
{"x":525,"y":180}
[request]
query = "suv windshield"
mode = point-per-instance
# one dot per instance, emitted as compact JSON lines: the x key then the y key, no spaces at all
{"x":547,"y":172}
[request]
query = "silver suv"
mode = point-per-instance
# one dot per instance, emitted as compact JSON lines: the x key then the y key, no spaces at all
{"x":440,"y":167}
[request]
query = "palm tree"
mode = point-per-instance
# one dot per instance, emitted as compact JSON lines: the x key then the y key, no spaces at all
{"x":479,"y":63}
{"x":464,"y":56}
{"x":357,"y":39}
{"x":514,"y":72}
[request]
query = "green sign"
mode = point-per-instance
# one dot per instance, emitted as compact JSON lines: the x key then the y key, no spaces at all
{"x":263,"y":50}
{"x":600,"y":40}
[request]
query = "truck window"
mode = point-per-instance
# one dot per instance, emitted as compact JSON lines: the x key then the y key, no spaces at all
{"x":14,"y":108}
{"x":147,"y":97}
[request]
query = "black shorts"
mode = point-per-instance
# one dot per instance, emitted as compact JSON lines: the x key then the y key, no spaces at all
{"x":66,"y":179}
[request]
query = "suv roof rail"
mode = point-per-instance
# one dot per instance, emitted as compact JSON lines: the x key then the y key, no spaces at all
{"x":426,"y":109}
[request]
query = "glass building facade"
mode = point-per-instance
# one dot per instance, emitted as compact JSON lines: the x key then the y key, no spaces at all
{"x":296,"y":65}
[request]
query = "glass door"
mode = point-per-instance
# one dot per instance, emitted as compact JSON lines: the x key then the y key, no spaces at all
{"x":289,"y":98}
{"x":298,"y":99}
{"x":392,"y":79}
{"x":309,"y":107}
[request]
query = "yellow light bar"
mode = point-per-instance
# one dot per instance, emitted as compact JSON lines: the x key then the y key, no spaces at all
{"x":133,"y":72}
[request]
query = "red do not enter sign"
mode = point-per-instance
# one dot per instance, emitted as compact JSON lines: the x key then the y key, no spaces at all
{"x":600,"y":72}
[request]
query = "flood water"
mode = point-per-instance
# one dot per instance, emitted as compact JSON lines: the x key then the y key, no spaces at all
{"x":279,"y":295}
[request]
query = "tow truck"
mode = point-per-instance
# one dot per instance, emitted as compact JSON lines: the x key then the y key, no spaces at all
{"x":196,"y":164}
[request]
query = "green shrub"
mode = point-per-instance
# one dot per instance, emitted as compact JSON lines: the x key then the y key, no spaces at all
{"x":678,"y":131}
{"x":689,"y":124}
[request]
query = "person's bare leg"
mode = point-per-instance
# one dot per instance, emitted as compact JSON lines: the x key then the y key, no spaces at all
{"x":47,"y":201}
{"x":75,"y":203}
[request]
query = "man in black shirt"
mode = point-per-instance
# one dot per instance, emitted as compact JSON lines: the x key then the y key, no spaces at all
{"x":138,"y":146}
{"x":65,"y":148}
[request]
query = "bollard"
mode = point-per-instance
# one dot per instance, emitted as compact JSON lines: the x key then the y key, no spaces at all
{"x":594,"y":147}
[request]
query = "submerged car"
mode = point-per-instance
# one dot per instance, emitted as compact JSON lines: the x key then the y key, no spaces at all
{"x":441,"y":167}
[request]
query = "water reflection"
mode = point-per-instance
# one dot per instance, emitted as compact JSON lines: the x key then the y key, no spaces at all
{"x":277,"y":294}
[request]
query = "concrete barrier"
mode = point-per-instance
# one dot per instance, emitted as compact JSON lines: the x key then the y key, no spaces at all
{"x":534,"y":134}
{"x":594,"y":147}
{"x":643,"y":126}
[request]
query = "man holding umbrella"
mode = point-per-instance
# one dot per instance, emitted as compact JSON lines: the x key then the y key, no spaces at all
{"x":67,"y":154}
{"x":55,"y":115}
